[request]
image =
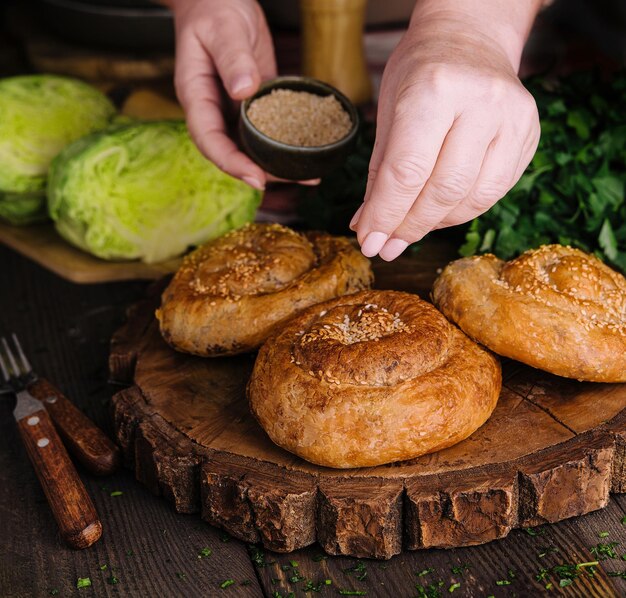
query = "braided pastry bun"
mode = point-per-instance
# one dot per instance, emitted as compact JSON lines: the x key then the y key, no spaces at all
{"x":229,"y":294}
{"x":555,"y":308}
{"x":371,"y":378}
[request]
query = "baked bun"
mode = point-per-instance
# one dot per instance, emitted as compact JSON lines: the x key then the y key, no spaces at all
{"x":555,"y":308}
{"x":371,"y":378}
{"x":229,"y":294}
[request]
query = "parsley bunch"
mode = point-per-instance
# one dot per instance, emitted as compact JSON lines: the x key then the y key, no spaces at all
{"x":573,"y":191}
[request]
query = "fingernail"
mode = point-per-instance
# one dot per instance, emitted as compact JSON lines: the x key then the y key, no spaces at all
{"x":392,"y":249}
{"x":310,"y":182}
{"x":373,"y":243}
{"x":356,"y":216}
{"x":241,"y":83}
{"x":253,"y":182}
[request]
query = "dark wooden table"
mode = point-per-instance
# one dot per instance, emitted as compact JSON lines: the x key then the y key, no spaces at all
{"x":151,"y":551}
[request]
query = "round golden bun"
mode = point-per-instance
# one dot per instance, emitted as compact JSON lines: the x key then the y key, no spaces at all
{"x":229,"y":294}
{"x":371,"y":378}
{"x":555,"y":308}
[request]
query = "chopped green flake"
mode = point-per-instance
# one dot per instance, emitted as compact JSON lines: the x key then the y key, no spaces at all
{"x":103,"y":567}
{"x":83,"y":582}
{"x":549,"y":586}
{"x":460,"y":569}
{"x":54,"y":592}
{"x":352,"y":592}
{"x":285,"y":567}
{"x":511,"y":574}
{"x":453,"y":587}
{"x":296,"y":578}
{"x":603,"y":551}
{"x":182,"y":576}
{"x":275,"y":580}
{"x":293,"y":563}
{"x":277,"y":594}
{"x":205,"y":552}
{"x":319,"y":557}
{"x":624,"y":520}
{"x":227,"y":583}
{"x":359,"y":570}
{"x":112,"y":580}
{"x":531,"y":531}
{"x":426,"y":572}
{"x":565,"y":582}
{"x":621,"y":574}
{"x":328,"y":582}
{"x":117,"y":493}
{"x":603,"y":535}
{"x":503,"y":582}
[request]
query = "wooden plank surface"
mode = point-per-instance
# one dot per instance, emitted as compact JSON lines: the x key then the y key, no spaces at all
{"x":66,"y":329}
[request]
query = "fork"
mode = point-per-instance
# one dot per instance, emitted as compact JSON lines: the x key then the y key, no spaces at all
{"x":71,"y":506}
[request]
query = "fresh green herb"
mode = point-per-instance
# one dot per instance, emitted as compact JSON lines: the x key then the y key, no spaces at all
{"x":549,"y":586}
{"x":205,"y":552}
{"x":426,"y":572}
{"x":293,"y":563}
{"x":319,"y":557}
{"x":258,"y":556}
{"x":432,"y":590}
{"x":117,"y":493}
{"x":565,"y":582}
{"x":543,"y":573}
{"x":103,"y":567}
{"x":352,"y":592}
{"x":573,"y":191}
{"x":603,"y":535}
{"x":112,"y":580}
{"x":285,"y":567}
{"x":296,"y":577}
{"x":624,"y":520}
{"x":503,"y":582}
{"x":53,"y":592}
{"x":604,"y":551}
{"x":453,"y":587}
{"x":183,"y":576}
{"x":328,"y":582}
{"x":359,"y":570}
{"x":511,"y":574}
{"x":83,"y":582}
{"x":227,"y":583}
{"x":277,"y":594}
{"x":460,"y":569}
{"x":532,"y":531}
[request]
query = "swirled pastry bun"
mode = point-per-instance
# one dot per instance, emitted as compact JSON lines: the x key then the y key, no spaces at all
{"x":555,"y":308}
{"x":371,"y":378}
{"x":229,"y":294}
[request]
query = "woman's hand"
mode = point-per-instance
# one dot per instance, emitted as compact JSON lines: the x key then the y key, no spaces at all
{"x":456,"y":128}
{"x":220,"y":46}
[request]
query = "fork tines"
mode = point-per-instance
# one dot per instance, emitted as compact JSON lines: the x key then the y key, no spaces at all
{"x":8,"y":362}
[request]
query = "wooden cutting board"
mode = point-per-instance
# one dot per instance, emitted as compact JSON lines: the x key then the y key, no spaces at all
{"x":554,"y":448}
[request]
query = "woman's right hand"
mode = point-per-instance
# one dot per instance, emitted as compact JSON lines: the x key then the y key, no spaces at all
{"x":221,"y":46}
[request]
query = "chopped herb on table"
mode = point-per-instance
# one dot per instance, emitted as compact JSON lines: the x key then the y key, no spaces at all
{"x":227,"y":583}
{"x":454,"y":586}
{"x":182,"y":576}
{"x":624,"y":520}
{"x":83,"y":582}
{"x":621,"y":574}
{"x":205,"y":552}
{"x":54,"y":592}
{"x":103,"y":567}
{"x":352,"y":592}
{"x":319,"y":557}
{"x":277,"y":594}
{"x":426,"y":572}
{"x":258,"y":556}
{"x":531,"y":531}
{"x":503,"y":582}
{"x":112,"y":580}
{"x":604,"y":551}
{"x":432,"y":590}
{"x":359,"y":570}
{"x":117,"y":493}
{"x":460,"y":569}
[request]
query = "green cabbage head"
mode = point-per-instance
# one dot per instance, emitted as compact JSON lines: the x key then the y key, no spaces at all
{"x":143,"y":191}
{"x":39,"y":116}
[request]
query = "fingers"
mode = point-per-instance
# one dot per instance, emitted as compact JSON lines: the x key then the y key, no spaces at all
{"x":200,"y":95}
{"x":402,"y":173}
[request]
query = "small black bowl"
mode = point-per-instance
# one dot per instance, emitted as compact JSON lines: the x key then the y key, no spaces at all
{"x":295,"y":162}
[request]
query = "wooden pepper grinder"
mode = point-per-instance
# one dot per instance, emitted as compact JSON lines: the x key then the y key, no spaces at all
{"x":332,"y":32}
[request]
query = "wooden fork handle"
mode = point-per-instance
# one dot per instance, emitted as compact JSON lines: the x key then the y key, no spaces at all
{"x":88,"y":443}
{"x":71,"y":505}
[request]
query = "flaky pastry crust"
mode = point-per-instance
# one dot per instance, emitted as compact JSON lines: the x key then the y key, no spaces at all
{"x":555,"y":308}
{"x":229,"y":294}
{"x":371,"y":378}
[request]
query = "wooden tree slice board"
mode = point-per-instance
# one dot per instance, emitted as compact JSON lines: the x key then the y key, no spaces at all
{"x":553,"y":449}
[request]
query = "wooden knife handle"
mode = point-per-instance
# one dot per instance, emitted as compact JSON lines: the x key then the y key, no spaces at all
{"x":71,"y":505}
{"x":88,"y":443}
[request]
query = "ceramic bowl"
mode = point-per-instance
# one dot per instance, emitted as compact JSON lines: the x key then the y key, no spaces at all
{"x":294,"y":162}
